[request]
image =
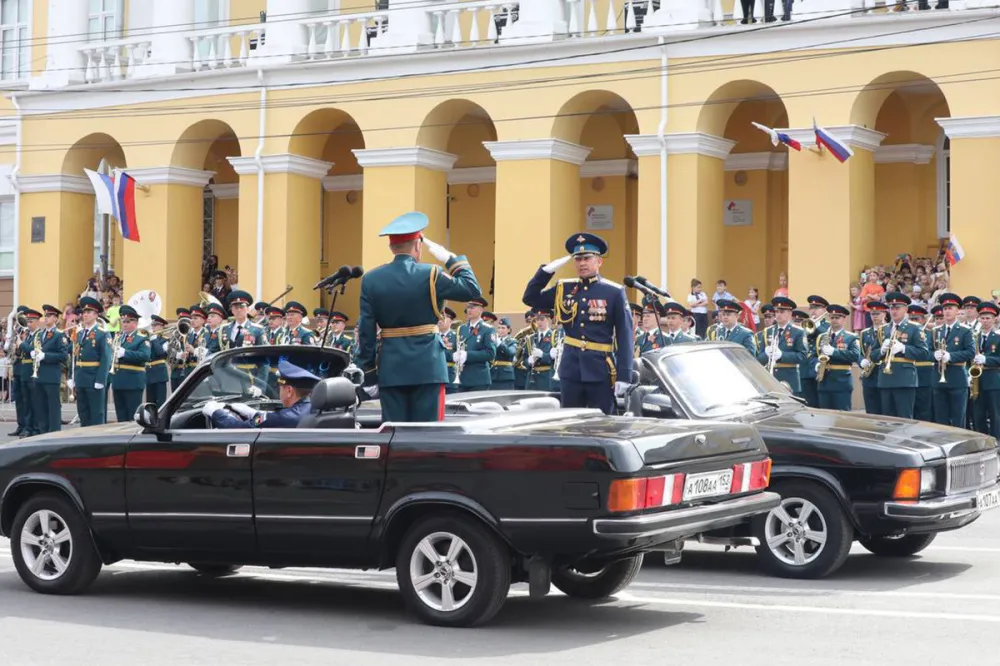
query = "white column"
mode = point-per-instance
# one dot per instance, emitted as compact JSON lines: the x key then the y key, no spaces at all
{"x":285,"y":39}
{"x":409,"y":28}
{"x":171,"y":47}
{"x":538,"y":21}
{"x":65,"y":62}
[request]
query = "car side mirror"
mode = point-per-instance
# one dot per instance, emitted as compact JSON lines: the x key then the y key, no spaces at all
{"x":148,"y":416}
{"x":658,"y":405}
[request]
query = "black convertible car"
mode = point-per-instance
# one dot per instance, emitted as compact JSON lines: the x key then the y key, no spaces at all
{"x":514,"y":491}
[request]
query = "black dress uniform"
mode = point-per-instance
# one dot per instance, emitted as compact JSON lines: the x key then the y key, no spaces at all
{"x":952,"y":346}
{"x":156,"y":369}
{"x":986,"y":406}
{"x":129,"y":368}
{"x":842,"y":351}
{"x":91,"y":366}
{"x":49,"y":352}
{"x":597,"y":354}
{"x":790,"y":342}
{"x":927,"y":376}
{"x":897,"y":380}
{"x":870,"y":340}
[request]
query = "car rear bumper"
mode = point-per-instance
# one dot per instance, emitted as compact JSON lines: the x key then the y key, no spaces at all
{"x":683,"y":523}
{"x":946,"y":510}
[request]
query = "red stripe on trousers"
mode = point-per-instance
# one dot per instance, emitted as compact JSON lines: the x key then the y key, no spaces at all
{"x":441,"y":404}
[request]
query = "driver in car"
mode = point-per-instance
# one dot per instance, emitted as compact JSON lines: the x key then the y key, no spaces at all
{"x":295,"y":387}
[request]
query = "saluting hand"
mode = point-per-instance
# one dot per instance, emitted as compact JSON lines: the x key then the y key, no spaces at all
{"x":555,"y":265}
{"x":440,"y":253}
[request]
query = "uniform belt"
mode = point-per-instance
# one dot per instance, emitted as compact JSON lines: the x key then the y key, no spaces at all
{"x":451,"y":364}
{"x":924,"y":364}
{"x":903,"y":360}
{"x":838,"y":367}
{"x":586,"y":345}
{"x":273,"y":371}
{"x":161,"y":361}
{"x":503,"y":364}
{"x":409,"y":331}
{"x":786,"y":365}
{"x":134,"y":368}
{"x":958,"y":365}
{"x":88,"y":364}
{"x":26,"y":361}
{"x":542,"y":368}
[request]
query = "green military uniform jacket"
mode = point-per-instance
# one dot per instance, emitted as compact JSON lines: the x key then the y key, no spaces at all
{"x":93,"y":358}
{"x":448,"y":342}
{"x":792,"y":343}
{"x":342,"y":342}
{"x":300,"y":335}
{"x":273,"y":335}
{"x":55,"y":349}
{"x":540,"y":374}
{"x":904,"y":370}
{"x":156,"y":369}
{"x":678,"y":338}
{"x":252,"y":335}
{"x":869,"y":341}
{"x":808,"y":368}
{"x":196,"y":339}
{"x":739,"y":335}
{"x":989,"y":346}
{"x":846,"y":353}
{"x":213,"y":342}
{"x":961,"y":346}
{"x":649,"y":340}
{"x":480,"y":344}
{"x":129,"y":371}
{"x":22,"y":357}
{"x":503,"y":366}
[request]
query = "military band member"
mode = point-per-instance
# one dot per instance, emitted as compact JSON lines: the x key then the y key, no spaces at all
{"x":953,"y":349}
{"x":404,"y":299}
{"x":970,"y":305}
{"x":502,"y":375}
{"x":156,"y":369}
{"x":275,"y":332}
{"x":636,"y":309}
{"x":449,"y":340}
{"x":870,"y":340}
{"x":215,"y":314}
{"x":923,"y":403}
{"x":49,"y":356}
{"x":689,"y":326}
{"x":649,"y":336}
{"x":297,"y":333}
{"x":128,"y":366}
{"x":905,"y":344}
{"x":479,"y":348}
{"x":817,"y":312}
{"x":786,"y":344}
{"x":321,"y":319}
{"x":520,"y":366}
{"x":91,"y":365}
{"x":598,"y":352}
{"x":178,"y":364}
{"x":674,"y":315}
{"x":241,"y":332}
{"x":197,"y":343}
{"x":766,"y":321}
{"x":729,"y":329}
{"x":842,"y":351}
{"x":18,"y":386}
{"x":24,"y":370}
{"x":258,"y":313}
{"x":987,"y":406}
{"x":540,"y":360}
{"x":338,"y":338}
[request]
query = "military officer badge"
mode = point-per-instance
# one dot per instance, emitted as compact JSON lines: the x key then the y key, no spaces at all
{"x":597,"y":309}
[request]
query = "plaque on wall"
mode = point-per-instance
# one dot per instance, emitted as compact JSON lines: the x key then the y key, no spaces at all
{"x":38,"y":230}
{"x":738,"y":213}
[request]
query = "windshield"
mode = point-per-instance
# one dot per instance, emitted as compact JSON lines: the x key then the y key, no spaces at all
{"x":713,"y":382}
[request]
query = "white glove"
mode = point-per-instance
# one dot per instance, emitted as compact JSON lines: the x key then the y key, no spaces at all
{"x":553,"y":266}
{"x":40,"y":356}
{"x":898,"y":347}
{"x":440,"y":253}
{"x":827,"y":350}
{"x":98,"y":386}
{"x":70,"y":384}
{"x":864,"y":363}
{"x":121,"y":352}
{"x":554,"y":353}
{"x":979,"y":360}
{"x":202,"y":352}
{"x":946,"y":357}
{"x":620,"y":388}
{"x":460,"y":357}
{"x":255,"y":392}
{"x":211,"y":407}
{"x":817,"y":367}
{"x":531,"y":361}
{"x":537,"y":353}
{"x":243,"y":410}
{"x":179,"y":356}
{"x":938,"y":354}
{"x":372,"y":391}
{"x":34,"y":352}
{"x":774,"y":352}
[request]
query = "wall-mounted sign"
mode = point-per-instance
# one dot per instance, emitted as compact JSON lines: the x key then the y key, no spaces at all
{"x":738,"y":213}
{"x":600,"y":217}
{"x":38,"y":230}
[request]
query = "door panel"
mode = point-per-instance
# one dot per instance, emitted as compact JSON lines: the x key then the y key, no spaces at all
{"x":313,"y":496}
{"x":191,"y":491}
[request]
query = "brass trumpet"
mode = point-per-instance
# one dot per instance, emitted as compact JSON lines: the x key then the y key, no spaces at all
{"x":942,"y":345}
{"x":887,"y":367}
{"x":822,"y":358}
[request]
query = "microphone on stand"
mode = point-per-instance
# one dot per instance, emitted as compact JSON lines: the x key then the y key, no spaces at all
{"x":652,"y":287}
{"x":332,"y":280}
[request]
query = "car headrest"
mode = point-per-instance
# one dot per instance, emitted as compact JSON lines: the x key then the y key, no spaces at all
{"x":333,"y":393}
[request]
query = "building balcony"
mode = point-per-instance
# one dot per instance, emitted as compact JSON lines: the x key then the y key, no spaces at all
{"x":411,"y":26}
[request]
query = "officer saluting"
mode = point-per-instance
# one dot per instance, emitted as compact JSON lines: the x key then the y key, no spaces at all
{"x":404,"y":299}
{"x":596,"y":362}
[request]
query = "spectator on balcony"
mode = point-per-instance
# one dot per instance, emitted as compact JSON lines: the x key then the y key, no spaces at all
{"x":786,"y":10}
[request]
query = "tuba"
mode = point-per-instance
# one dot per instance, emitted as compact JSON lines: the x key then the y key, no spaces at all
{"x":146,"y":303}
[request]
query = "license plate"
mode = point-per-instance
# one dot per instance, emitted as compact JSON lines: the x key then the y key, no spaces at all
{"x":987,"y":501}
{"x":707,"y":485}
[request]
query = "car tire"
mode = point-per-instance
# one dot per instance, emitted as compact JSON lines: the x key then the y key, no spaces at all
{"x":601,"y":584}
{"x":52,"y":547}
{"x":810,"y":550}
{"x":430,"y":555}
{"x":904,"y":546}
{"x":214,"y":570}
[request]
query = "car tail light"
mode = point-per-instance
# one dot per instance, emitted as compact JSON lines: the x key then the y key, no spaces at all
{"x":907,"y":485}
{"x":645,"y":493}
{"x":751,"y":476}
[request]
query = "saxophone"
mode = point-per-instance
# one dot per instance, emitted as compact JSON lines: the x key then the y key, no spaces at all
{"x":866,"y":372}
{"x":976,"y":371}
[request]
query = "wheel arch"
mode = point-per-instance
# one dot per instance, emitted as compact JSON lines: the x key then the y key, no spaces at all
{"x":23,"y":487}
{"x":785,"y":473}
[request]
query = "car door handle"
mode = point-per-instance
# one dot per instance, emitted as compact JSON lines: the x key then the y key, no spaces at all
{"x":237,"y":451}
{"x":367,"y":452}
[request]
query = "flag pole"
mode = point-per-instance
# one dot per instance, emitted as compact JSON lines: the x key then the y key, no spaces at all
{"x":104,"y":168}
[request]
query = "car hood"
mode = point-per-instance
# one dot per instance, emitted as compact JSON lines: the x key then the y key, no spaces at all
{"x":882,"y":433}
{"x":100,"y":446}
{"x":97,"y":432}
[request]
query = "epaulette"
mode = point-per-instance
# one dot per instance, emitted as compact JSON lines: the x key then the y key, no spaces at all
{"x":569,"y":280}
{"x":797,"y":327}
{"x":611,"y":283}
{"x":142,"y":332}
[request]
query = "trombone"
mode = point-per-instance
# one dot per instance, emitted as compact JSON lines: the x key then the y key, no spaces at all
{"x":809,"y":325}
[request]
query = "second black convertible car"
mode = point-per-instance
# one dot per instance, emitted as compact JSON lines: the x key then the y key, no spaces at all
{"x":519,"y":492}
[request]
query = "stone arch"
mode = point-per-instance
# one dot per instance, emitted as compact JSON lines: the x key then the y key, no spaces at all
{"x":196,"y":144}
{"x":911,"y":87}
{"x":459,"y":125}
{"x":577,"y":112}
{"x":718,"y":109}
{"x":328,"y":134}
{"x":88,"y":152}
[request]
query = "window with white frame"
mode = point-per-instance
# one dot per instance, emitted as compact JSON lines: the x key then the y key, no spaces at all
{"x":15,"y":41}
{"x":7,"y":249}
{"x":105,"y":19}
{"x":943,"y":164}
{"x":210,"y":14}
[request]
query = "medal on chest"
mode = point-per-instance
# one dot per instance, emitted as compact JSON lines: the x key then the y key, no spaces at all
{"x":597,"y":309}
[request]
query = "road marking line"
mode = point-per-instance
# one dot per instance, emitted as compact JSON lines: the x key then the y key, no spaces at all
{"x":967,"y":549}
{"x":749,"y":589}
{"x":820,"y":610}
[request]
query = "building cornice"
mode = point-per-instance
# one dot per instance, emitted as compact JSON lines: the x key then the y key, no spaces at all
{"x":170,"y":175}
{"x":764,"y":161}
{"x":644,"y":145}
{"x":904,"y":153}
{"x":699,"y":143}
{"x":54,"y":182}
{"x":971,"y":127}
{"x":608,"y":168}
{"x":284,"y":163}
{"x":853,"y":135}
{"x":8,"y":133}
{"x":346,"y":183}
{"x":226,"y":191}
{"x":538,"y":149}
{"x":471,"y":175}
{"x":412,"y":156}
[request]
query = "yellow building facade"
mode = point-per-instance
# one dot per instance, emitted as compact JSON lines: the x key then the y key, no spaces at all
{"x":286,"y":156}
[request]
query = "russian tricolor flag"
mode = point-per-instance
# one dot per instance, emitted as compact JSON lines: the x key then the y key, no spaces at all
{"x":837,"y":148}
{"x":116,"y":197}
{"x":954,"y":252}
{"x":778,"y":137}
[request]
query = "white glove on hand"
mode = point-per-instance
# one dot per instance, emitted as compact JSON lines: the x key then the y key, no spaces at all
{"x":460,"y":357}
{"x":620,"y":388}
{"x":98,"y":386}
{"x":553,"y":266}
{"x":34,"y":352}
{"x":817,"y":367}
{"x":211,"y":407}
{"x":864,"y":363}
{"x":70,"y":384}
{"x":898,"y":347}
{"x":946,"y":357}
{"x":774,"y":352}
{"x":827,"y":350}
{"x":554,"y":353}
{"x":537,"y":353}
{"x":245,"y":411}
{"x":121,"y":352}
{"x":40,"y":356}
{"x":440,"y":253}
{"x":979,"y":359}
{"x":531,"y":361}
{"x":179,"y":356}
{"x":372,"y":391}
{"x":938,"y":354}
